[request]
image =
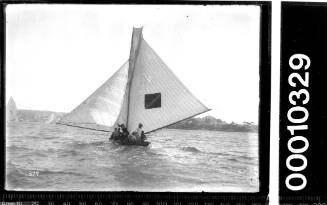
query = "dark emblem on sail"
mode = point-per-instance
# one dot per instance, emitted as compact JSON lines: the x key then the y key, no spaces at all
{"x":152,"y":100}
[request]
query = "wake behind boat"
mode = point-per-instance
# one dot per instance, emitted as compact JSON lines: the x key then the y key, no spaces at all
{"x":143,"y":91}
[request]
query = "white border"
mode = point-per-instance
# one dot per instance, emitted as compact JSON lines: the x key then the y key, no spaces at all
{"x":274,"y":111}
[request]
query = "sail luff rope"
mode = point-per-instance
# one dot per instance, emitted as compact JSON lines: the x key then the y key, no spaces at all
{"x":133,"y":58}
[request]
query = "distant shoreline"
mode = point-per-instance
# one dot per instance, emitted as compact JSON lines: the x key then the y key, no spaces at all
{"x":205,"y":123}
{"x":169,"y":128}
{"x":212,"y":124}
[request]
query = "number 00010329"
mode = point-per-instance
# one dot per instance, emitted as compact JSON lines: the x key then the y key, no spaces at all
{"x":297,"y":117}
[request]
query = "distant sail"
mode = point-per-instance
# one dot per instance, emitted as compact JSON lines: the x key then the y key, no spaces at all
{"x":11,"y":111}
{"x":51,"y":119}
{"x":144,"y":90}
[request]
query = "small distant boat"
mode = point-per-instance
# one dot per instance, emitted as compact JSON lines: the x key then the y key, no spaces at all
{"x":51,"y":119}
{"x":11,"y":111}
{"x":144,"y":90}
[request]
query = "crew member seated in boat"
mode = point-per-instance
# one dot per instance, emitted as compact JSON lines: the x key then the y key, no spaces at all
{"x":122,"y":127}
{"x":136,"y":135}
{"x":115,"y":134}
{"x":139,"y":130}
{"x":124,"y":132}
{"x":132,"y":138}
{"x":143,"y":137}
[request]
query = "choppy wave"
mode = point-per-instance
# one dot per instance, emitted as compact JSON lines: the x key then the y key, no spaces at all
{"x":59,"y":172}
{"x":15,"y":179}
{"x":70,"y":153}
{"x":233,"y":155}
{"x":17,"y":148}
{"x":81,"y":144}
{"x":71,"y":159}
{"x":191,"y":149}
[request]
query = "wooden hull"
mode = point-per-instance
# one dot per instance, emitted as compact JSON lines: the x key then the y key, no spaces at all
{"x":128,"y":143}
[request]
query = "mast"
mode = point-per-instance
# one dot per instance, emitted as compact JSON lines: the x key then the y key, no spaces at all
{"x":135,"y":45}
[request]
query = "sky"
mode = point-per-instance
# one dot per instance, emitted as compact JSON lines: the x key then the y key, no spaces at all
{"x":57,"y":55}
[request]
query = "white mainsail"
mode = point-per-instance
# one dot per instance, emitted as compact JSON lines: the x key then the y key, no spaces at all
{"x":143,"y":91}
{"x":152,"y":76}
{"x":11,"y":111}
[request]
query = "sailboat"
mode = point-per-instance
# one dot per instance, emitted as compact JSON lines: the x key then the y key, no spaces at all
{"x":143,"y":90}
{"x":11,"y":111}
{"x":51,"y":119}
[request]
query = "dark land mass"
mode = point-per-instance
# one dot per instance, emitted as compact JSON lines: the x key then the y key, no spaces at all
{"x":211,"y":123}
{"x":39,"y":116}
{"x":204,"y":123}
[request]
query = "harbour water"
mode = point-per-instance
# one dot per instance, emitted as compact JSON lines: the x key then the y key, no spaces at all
{"x":51,"y":157}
